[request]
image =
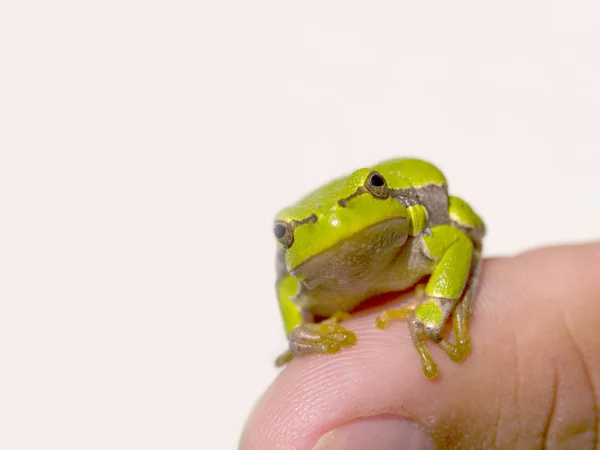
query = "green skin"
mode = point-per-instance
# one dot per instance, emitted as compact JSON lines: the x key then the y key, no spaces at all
{"x":378,"y":230}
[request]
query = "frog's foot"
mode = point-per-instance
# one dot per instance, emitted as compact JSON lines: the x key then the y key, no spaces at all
{"x":332,"y":337}
{"x":321,"y":337}
{"x":401,"y":313}
{"x":395,"y":314}
{"x":284,"y":358}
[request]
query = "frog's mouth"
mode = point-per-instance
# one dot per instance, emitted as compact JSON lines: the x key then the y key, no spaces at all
{"x":360,"y":256}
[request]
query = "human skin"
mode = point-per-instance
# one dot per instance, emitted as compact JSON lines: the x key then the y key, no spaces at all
{"x":531,"y":381}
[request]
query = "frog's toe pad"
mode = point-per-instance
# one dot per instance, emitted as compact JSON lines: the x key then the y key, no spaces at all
{"x":464,"y":348}
{"x":430,"y":369}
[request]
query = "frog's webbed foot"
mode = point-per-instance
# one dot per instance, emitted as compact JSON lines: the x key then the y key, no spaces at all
{"x":323,"y":337}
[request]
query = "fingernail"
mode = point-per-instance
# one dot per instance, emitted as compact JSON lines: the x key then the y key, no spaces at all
{"x":376,"y":433}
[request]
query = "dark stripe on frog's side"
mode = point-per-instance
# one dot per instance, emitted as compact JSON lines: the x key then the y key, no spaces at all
{"x":296,"y":223}
{"x":360,"y":191}
{"x":433,"y":196}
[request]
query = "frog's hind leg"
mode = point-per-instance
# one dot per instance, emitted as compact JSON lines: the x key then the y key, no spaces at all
{"x":464,"y":218}
{"x":460,"y":315}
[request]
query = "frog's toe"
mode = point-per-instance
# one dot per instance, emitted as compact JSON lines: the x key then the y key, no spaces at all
{"x":395,"y":314}
{"x":384,"y":317}
{"x":320,"y":338}
{"x":453,"y":351}
{"x":430,"y":369}
{"x":284,"y":358}
{"x":335,"y":333}
{"x":463,"y":348}
{"x":324,"y":346}
{"x":456,"y":353}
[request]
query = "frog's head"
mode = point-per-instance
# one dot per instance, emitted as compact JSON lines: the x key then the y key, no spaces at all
{"x":341,"y":221}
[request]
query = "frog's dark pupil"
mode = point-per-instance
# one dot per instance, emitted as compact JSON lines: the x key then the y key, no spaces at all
{"x":377,"y":181}
{"x":279,"y":231}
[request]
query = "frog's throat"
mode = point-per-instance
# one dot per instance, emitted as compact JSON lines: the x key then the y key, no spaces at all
{"x":389,"y":231}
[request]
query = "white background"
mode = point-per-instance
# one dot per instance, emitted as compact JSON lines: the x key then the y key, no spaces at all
{"x":145,"y":147}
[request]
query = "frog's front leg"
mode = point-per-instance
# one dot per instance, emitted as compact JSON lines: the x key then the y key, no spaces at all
{"x":304,"y":335}
{"x":461,"y":313}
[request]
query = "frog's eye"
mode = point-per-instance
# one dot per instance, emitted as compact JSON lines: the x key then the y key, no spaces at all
{"x":284,"y":233}
{"x":377,"y":186}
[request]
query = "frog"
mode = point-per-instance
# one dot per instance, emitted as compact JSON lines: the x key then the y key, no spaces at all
{"x":387,"y":228}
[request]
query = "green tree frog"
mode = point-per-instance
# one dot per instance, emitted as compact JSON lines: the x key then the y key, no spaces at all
{"x":382,"y":229}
